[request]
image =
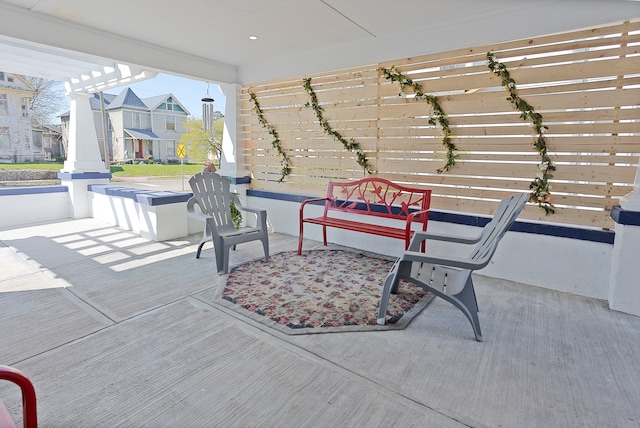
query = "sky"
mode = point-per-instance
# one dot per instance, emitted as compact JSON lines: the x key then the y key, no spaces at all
{"x":188,"y":92}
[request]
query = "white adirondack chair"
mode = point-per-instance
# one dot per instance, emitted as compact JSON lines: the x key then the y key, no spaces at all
{"x":449,"y":277}
{"x":212,"y":195}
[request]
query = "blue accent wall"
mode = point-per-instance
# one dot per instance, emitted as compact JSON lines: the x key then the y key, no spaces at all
{"x":622,"y":216}
{"x":593,"y":235}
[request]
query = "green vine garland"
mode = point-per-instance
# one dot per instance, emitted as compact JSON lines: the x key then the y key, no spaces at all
{"x":541,"y":189}
{"x":437,"y":117}
{"x":350,"y":144}
{"x":285,"y":162}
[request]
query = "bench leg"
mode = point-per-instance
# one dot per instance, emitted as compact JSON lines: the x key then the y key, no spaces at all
{"x":300,"y":238}
{"x":324,"y":235}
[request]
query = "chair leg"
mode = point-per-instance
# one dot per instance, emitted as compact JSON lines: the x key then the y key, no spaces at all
{"x":225,"y":262}
{"x":200,"y":249}
{"x":220,"y":250}
{"x":265,"y":246}
{"x":206,"y":236}
{"x":466,"y":301}
{"x":390,"y":286}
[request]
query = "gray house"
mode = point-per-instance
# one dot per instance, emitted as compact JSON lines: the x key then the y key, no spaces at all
{"x":136,"y":128}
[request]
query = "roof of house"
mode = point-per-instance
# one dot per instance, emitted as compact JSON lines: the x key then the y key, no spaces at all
{"x":127,"y":98}
{"x":94,"y":101}
{"x":18,"y":83}
{"x":143,"y":134}
{"x":155,"y":101}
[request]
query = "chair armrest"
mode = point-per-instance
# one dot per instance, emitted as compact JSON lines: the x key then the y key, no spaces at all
{"x":448,"y":261}
{"x":261,"y":213}
{"x":420,"y":236}
{"x":191,"y":203}
{"x":251,"y":210}
{"x":191,"y":210}
{"x":240,"y":207}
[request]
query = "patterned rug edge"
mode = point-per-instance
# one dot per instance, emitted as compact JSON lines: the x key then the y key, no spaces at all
{"x":267,"y":322}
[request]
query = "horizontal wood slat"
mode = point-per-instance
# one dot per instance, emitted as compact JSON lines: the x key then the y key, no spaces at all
{"x":585,"y":84}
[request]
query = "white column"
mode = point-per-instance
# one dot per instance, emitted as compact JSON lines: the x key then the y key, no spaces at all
{"x":232,"y":159}
{"x":624,"y":283}
{"x":84,"y":165}
{"x":631,"y":201}
{"x":83,"y":153}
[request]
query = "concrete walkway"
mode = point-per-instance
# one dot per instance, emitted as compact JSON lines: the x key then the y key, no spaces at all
{"x":116,"y":331}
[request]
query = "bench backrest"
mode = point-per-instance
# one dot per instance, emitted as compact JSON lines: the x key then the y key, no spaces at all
{"x":377,"y":197}
{"x":503,"y":219}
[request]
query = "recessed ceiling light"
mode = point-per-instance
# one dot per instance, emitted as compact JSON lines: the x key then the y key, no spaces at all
{"x":253,"y":37}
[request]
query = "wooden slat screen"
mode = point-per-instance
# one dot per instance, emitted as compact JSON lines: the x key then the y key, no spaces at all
{"x":586,"y":85}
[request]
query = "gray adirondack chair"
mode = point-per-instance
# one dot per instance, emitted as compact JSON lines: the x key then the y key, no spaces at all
{"x":211,"y":193}
{"x":449,"y":277}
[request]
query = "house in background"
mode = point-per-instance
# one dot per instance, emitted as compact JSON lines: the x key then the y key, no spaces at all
{"x":16,"y":140}
{"x":49,"y":139}
{"x":136,"y":128}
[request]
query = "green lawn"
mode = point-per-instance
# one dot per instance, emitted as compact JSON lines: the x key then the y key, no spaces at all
{"x":144,"y":170}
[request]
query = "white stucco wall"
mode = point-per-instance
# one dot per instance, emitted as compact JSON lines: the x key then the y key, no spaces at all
{"x":562,"y":264}
{"x":33,"y":208}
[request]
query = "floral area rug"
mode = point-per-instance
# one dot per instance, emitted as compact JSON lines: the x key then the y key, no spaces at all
{"x":320,"y":291}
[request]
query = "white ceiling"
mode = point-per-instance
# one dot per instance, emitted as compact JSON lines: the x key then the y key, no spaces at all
{"x":208,"y":39}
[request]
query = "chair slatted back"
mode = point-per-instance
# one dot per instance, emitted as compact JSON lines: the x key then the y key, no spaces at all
{"x":213,"y":195}
{"x":503,"y":219}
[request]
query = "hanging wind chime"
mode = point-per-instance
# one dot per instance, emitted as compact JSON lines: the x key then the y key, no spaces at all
{"x":207,"y":113}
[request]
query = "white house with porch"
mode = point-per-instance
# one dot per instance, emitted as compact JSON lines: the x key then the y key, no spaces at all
{"x":136,"y":128}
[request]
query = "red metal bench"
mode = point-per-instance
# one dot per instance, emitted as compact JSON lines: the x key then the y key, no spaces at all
{"x":372,"y":197}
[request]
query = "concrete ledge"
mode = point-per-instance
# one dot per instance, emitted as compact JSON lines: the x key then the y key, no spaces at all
{"x":33,"y":204}
{"x":622,"y":216}
{"x":83,"y":175}
{"x":32,"y":190}
{"x":157,"y":216}
{"x":146,"y":197}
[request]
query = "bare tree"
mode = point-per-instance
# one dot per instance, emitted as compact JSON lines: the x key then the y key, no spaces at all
{"x":48,"y":101}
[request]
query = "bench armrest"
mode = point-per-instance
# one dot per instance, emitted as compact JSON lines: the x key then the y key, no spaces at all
{"x":413,"y":215}
{"x":306,"y":201}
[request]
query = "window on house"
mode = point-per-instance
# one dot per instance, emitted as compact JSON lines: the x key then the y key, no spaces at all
{"x":25,"y":106}
{"x":4,"y":106}
{"x":9,"y":78}
{"x":170,"y":104}
{"x":1,"y":75}
{"x":26,"y":132}
{"x":5,"y":138}
{"x":171,"y":123}
{"x":37,"y":141}
{"x":136,"y":120}
{"x":171,"y":148}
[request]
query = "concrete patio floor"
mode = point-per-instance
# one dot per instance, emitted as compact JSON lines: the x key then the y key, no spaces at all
{"x":116,"y":331}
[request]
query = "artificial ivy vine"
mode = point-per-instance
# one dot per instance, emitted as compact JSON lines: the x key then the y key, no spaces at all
{"x":437,"y":117}
{"x":350,"y":144}
{"x":540,"y":187}
{"x":286,"y":164}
